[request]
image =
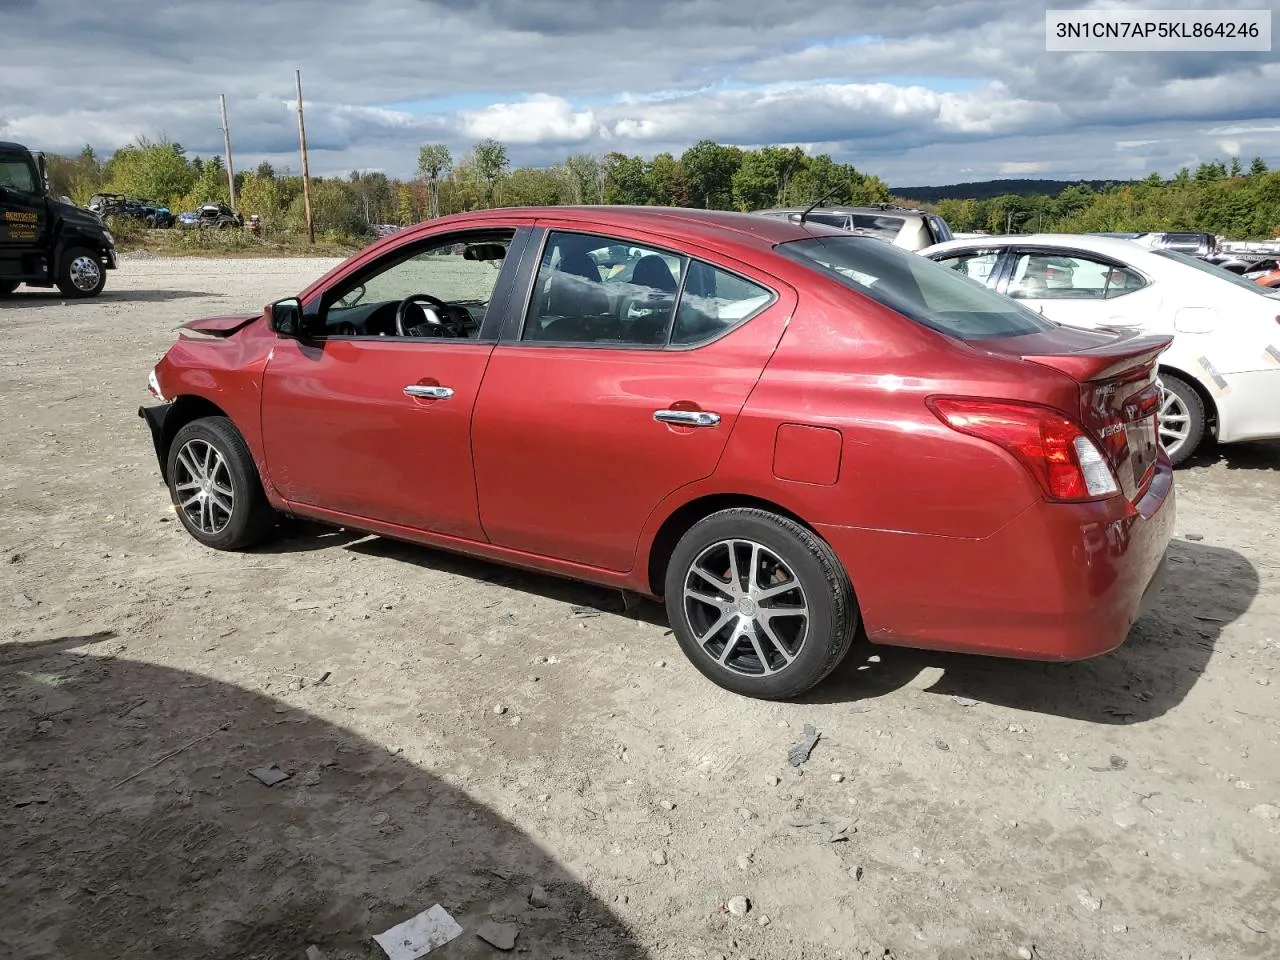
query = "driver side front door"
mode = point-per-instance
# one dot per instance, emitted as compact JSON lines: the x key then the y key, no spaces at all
{"x":359,"y":422}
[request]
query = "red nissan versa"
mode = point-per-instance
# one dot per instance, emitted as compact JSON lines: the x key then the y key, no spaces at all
{"x":786,"y":431}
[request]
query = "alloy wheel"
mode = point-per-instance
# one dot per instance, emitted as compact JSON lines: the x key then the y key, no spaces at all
{"x":745,"y":608}
{"x":203,"y":484}
{"x":1175,"y":421}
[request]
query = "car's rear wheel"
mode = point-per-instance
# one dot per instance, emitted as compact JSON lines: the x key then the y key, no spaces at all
{"x":759,"y":604}
{"x":1181,"y":418}
{"x":215,"y":486}
{"x":80,"y":273}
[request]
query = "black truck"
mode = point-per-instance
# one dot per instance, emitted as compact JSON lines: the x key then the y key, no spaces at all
{"x":46,"y":242}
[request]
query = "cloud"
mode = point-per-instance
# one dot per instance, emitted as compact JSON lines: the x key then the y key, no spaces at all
{"x":912,"y":92}
{"x":1020,"y":168}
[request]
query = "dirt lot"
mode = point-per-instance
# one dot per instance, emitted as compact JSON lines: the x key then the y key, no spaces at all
{"x":478,"y":746}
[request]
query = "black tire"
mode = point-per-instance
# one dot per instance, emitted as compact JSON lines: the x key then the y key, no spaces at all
{"x":251,"y":518}
{"x":828,"y":630}
{"x":1192,"y":408}
{"x":76,"y":276}
{"x":7,"y":287}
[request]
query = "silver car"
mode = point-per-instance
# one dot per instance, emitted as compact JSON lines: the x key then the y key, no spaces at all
{"x":901,"y":226}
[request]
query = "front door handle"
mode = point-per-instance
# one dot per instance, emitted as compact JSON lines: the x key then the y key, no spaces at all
{"x":428,"y":393}
{"x":687,"y":418}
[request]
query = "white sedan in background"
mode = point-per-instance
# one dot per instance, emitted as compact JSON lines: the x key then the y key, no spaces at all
{"x":1221,"y":375}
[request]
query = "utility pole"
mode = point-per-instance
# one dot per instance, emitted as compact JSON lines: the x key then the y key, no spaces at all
{"x":226,"y":140}
{"x":306,"y":171}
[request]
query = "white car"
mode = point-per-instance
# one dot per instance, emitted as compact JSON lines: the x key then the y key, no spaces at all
{"x":1220,"y":376}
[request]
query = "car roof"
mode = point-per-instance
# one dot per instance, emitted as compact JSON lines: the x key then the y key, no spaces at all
{"x":680,"y":223}
{"x":888,"y":210}
{"x":1114,"y":246}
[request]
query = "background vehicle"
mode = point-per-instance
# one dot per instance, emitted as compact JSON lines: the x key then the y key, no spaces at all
{"x":117,"y":205}
{"x":901,"y":226}
{"x":1195,"y":244}
{"x":724,"y":428}
{"x":215,"y":215}
{"x":43,"y":241}
{"x":1220,"y":375}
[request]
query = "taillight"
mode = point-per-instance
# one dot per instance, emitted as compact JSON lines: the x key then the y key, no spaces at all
{"x":1056,"y":449}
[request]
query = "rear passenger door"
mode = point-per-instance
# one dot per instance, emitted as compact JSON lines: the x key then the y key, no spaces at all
{"x":618,"y":383}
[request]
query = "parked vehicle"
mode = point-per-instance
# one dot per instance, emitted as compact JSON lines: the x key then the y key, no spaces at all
{"x":750,"y":425}
{"x":1259,"y":269}
{"x":901,"y":226}
{"x":150,"y":214}
{"x":1221,"y":377}
{"x":217,"y":216}
{"x":43,"y":241}
{"x":1195,"y":244}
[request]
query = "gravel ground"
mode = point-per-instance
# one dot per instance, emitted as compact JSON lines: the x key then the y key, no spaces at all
{"x":455,"y":734}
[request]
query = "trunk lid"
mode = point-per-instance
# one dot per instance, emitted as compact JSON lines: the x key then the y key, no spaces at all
{"x":1119,"y":397}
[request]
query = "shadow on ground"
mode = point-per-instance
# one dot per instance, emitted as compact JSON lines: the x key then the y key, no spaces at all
{"x":28,"y":298}
{"x":133,"y":829}
{"x":301,"y":536}
{"x":1255,"y":455}
{"x":1155,"y":669}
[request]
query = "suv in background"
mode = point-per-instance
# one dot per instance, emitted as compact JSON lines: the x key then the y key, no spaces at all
{"x":1193,"y":244}
{"x":903,"y":227}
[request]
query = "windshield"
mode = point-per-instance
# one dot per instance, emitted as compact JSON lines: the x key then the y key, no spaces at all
{"x":916,"y":287}
{"x":1214,"y":271}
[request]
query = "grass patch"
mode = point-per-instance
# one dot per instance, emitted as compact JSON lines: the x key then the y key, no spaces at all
{"x":176,"y":242}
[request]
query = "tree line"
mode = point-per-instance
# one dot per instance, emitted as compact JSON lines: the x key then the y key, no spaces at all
{"x":1221,"y":197}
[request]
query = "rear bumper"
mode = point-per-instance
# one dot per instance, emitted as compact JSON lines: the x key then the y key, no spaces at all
{"x":1058,"y":582}
{"x":1251,"y":409}
{"x":155,"y":417}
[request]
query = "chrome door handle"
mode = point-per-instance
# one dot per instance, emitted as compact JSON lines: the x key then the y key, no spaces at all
{"x":429,"y":393}
{"x":687,"y":418}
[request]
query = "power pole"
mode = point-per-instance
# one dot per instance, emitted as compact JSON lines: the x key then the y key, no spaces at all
{"x":226,"y":140}
{"x":306,"y":171}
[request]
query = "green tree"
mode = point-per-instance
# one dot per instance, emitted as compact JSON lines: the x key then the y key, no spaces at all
{"x":1258,"y":167}
{"x":709,"y":169}
{"x":624,"y":180}
{"x":150,"y":170}
{"x":491,"y":163}
{"x":534,"y":187}
{"x":584,"y":179}
{"x":434,"y":162}
{"x":665,"y":182}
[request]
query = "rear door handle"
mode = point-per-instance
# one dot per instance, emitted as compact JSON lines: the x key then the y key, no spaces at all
{"x":687,"y":418}
{"x":429,"y":393}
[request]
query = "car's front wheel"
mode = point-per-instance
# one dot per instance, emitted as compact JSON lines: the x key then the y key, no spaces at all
{"x":215,"y":486}
{"x":80,"y":273}
{"x":759,"y":604}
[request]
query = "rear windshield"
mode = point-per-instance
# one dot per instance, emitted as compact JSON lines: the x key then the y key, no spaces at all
{"x":887,"y":228}
{"x":916,"y":287}
{"x":1213,"y":271}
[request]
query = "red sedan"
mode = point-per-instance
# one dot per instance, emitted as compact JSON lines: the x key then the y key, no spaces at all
{"x":794,"y":435}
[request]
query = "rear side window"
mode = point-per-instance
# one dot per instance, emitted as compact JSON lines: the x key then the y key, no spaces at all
{"x":1043,"y":276}
{"x":597,"y":290}
{"x":979,"y":265}
{"x":929,"y":293}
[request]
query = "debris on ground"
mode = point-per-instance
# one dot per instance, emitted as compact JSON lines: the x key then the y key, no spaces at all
{"x":738,"y":906}
{"x":1195,"y":537}
{"x":1266,"y":811}
{"x":23,"y":602}
{"x":800,"y":752}
{"x":507,"y":619}
{"x":584,"y":613}
{"x":38,"y":801}
{"x":838,"y":832}
{"x":315,"y":953}
{"x":419,"y":935}
{"x":269,"y":775}
{"x":659,"y":858}
{"x":965,"y":701}
{"x":668,"y":805}
{"x":837,"y":778}
{"x":499,"y":935}
{"x":499,"y":709}
{"x":1116,"y":762}
{"x":942,"y":745}
{"x":1088,"y":900}
{"x":538,"y":896}
{"x":171,"y":754}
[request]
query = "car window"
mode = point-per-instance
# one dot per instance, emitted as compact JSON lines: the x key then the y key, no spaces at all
{"x":440,"y":291}
{"x":592,"y":289}
{"x":1045,"y":276}
{"x":1197,"y":264}
{"x":713,"y":302}
{"x":16,"y":175}
{"x":916,"y":287}
{"x":886,"y":228}
{"x":829,"y":219}
{"x":976,"y":264}
{"x":941,"y":232}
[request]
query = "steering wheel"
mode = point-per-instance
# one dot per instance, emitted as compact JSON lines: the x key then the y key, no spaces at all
{"x":449,"y":327}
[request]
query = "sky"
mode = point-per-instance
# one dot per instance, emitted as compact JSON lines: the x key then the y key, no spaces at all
{"x":917,"y":93}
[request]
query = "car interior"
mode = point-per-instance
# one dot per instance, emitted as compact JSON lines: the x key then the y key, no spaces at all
{"x":440,"y":292}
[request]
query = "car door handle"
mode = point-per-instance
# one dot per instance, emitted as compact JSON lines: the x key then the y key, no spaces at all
{"x":687,"y":418}
{"x":429,"y":393}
